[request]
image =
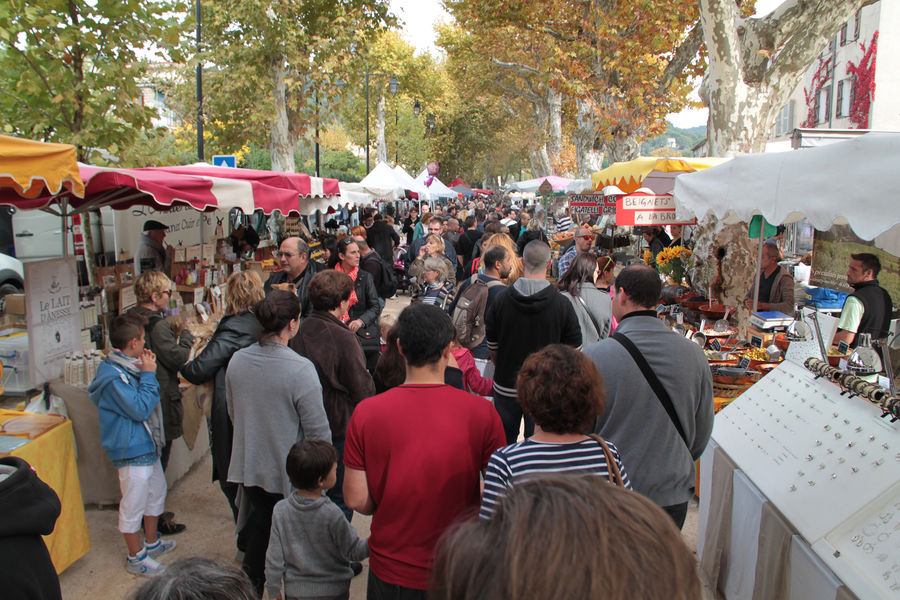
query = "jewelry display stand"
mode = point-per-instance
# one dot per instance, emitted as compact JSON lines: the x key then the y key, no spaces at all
{"x":830,"y":464}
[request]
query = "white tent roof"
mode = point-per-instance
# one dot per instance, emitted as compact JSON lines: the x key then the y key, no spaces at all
{"x":437,"y":189}
{"x":853,"y":182}
{"x":381,"y":183}
{"x":413,"y":185}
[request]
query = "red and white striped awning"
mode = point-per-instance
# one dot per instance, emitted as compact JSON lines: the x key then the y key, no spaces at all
{"x":314,"y":193}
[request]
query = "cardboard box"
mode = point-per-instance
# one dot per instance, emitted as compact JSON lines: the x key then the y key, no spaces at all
{"x":15,"y":304}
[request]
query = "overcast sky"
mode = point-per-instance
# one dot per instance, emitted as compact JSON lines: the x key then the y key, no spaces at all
{"x":420,"y":16}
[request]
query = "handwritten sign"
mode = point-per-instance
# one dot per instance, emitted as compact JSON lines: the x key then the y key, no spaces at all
{"x":591,"y":204}
{"x":715,"y":345}
{"x":756,"y":341}
{"x":642,"y":202}
{"x":645,"y":209}
{"x":745,"y":362}
{"x":843,"y":347}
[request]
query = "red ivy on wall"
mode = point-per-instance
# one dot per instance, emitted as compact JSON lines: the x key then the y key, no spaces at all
{"x":863,"y":84}
{"x":821,"y":75}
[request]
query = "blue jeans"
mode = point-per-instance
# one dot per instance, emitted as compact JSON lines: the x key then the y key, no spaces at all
{"x":511,"y":415}
{"x":336,"y":493}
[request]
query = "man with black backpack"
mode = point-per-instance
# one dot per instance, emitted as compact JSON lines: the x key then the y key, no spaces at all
{"x":475,"y":295}
{"x":381,"y":271}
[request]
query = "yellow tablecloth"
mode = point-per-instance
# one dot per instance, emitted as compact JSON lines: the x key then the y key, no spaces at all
{"x":52,"y":456}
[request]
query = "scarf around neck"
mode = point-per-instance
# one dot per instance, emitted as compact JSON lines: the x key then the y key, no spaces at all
{"x":353,"y":273}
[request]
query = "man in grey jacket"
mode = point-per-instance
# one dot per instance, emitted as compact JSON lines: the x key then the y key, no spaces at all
{"x":659,"y":461}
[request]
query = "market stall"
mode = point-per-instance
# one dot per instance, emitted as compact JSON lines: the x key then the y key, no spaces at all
{"x":800,"y":484}
{"x":656,"y":174}
{"x":314,"y":193}
{"x":558,"y":184}
{"x":435,"y":186}
{"x":28,"y":171}
{"x":45,"y":442}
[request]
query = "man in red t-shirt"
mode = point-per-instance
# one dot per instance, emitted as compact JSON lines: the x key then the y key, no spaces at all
{"x":413,"y":456}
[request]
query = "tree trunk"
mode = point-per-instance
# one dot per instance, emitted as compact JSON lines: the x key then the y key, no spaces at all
{"x":540,"y":162}
{"x":554,"y":126}
{"x":755,"y":64}
{"x":622,"y":148}
{"x":380,"y":143}
{"x":588,"y":152}
{"x":282,"y":142}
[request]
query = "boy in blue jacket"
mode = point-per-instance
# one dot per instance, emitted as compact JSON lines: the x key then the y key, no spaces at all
{"x":126,"y":393}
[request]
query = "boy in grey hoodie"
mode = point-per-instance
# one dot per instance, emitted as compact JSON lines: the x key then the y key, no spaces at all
{"x":312,"y":544}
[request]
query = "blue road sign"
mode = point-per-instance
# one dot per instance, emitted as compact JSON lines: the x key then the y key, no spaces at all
{"x":225,"y":160}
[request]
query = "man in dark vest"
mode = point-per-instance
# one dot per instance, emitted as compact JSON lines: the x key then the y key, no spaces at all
{"x":868,"y":308}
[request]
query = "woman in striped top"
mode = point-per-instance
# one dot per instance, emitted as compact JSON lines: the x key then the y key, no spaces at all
{"x":561,"y":389}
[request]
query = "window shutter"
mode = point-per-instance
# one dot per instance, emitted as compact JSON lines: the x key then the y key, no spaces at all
{"x":816,"y":105}
{"x":791,"y":106}
{"x":856,"y":20}
{"x":839,"y":102}
{"x":844,"y":34}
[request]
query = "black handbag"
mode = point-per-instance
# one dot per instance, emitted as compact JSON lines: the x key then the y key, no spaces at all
{"x":369,"y":338}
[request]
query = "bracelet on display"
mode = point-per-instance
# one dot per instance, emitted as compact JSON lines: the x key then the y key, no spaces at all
{"x":856,"y":386}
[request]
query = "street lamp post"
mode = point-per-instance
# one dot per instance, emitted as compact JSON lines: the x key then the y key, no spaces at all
{"x":393,"y":87}
{"x":199,"y":91}
{"x":316,"y":94}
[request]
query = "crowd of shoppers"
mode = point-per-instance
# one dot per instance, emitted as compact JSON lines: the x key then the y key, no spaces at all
{"x":322,"y":408}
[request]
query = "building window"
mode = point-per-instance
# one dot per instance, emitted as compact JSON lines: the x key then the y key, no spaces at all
{"x":844,"y":99}
{"x":784,"y":122}
{"x":856,"y":19}
{"x":844,"y":34}
{"x":823,"y":104}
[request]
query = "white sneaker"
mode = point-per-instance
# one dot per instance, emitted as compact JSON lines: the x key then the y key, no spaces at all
{"x":144,"y":564}
{"x":160,"y":546}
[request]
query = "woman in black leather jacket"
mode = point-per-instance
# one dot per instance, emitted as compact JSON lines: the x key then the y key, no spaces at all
{"x":362,"y":319}
{"x":237,"y":329}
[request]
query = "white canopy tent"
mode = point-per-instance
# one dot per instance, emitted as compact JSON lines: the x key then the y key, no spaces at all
{"x":437,"y":189}
{"x":381,"y":183}
{"x":412,"y":185}
{"x":853,"y":183}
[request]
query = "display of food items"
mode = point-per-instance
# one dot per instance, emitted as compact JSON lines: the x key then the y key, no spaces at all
{"x":711,"y":332}
{"x":756,"y":354}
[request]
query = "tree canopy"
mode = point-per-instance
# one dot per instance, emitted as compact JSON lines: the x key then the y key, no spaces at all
{"x":70,"y":71}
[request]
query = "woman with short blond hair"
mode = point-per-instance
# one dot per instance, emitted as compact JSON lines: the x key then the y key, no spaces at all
{"x":433,"y":248}
{"x":237,"y":329}
{"x":149,"y":283}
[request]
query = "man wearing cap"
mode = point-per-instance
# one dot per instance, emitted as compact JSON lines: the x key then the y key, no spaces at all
{"x":152,"y":255}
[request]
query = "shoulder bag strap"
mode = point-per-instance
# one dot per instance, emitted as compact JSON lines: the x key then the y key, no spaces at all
{"x":654,"y":382}
{"x":615,"y":477}
{"x":593,"y":320}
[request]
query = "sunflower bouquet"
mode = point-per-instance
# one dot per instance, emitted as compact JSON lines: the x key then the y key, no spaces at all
{"x":674,"y":262}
